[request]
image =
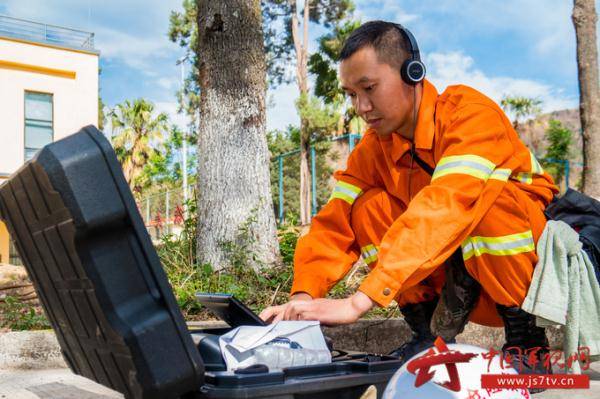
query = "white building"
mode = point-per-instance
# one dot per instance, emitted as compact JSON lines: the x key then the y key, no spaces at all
{"x":48,"y":90}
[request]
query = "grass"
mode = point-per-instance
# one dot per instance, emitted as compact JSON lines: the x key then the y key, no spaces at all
{"x":17,"y":315}
{"x":256,"y":288}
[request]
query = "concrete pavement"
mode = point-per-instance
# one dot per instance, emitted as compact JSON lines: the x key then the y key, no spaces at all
{"x":51,"y":384}
{"x":62,"y":384}
{"x":31,"y":366}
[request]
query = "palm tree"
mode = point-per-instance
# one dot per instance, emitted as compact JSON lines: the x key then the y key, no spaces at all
{"x":137,"y":136}
{"x":520,"y":108}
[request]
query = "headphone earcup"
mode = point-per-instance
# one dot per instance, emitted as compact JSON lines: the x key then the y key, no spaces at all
{"x":412,"y":71}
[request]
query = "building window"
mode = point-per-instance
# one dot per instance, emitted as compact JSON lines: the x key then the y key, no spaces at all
{"x":39,"y":129}
{"x":13,"y":256}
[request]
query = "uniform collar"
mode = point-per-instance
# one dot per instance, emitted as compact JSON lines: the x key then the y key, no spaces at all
{"x":425,"y":125}
{"x":425,"y":119}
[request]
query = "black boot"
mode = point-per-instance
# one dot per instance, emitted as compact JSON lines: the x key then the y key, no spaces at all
{"x":458,"y":298}
{"x":522,"y":338}
{"x":418,"y":317}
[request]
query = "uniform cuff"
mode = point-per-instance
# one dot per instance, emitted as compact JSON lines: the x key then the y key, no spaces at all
{"x":380,"y":287}
{"x":311,"y":285}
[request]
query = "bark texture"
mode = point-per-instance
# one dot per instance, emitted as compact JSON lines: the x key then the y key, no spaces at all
{"x":234,"y":195}
{"x":584,"y":20}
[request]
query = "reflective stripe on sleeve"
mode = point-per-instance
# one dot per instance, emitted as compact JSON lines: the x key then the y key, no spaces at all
{"x":369,"y":253}
{"x":346,"y":192}
{"x":524,"y":177}
{"x":499,"y":246}
{"x":472,"y":165}
{"x":536,"y":169}
{"x":501,"y":174}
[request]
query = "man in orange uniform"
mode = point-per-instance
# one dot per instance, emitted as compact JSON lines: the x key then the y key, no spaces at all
{"x":485,"y":198}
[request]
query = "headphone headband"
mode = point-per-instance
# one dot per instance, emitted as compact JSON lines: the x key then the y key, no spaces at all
{"x":414,"y":47}
{"x":412,"y":69}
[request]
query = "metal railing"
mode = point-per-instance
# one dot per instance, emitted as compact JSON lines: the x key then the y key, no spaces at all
{"x":164,"y":212}
{"x":352,"y":138}
{"x":50,"y":34}
{"x":567,"y":166}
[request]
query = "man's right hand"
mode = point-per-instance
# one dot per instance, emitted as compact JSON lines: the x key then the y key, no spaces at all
{"x":276,"y":313}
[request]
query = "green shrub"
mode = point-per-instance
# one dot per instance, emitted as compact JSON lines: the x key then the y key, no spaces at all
{"x":288,"y":235}
{"x":17,"y":315}
{"x":559,"y":139}
{"x":257,"y":289}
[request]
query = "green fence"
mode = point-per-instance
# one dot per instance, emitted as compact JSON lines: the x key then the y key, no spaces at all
{"x":352,"y":139}
{"x":163,"y":212}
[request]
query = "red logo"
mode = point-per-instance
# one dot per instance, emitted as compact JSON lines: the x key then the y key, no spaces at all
{"x":421,"y":365}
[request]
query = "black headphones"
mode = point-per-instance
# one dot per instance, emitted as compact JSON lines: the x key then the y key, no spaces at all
{"x":412,"y":69}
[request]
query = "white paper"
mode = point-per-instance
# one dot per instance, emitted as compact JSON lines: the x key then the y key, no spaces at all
{"x":238,"y":344}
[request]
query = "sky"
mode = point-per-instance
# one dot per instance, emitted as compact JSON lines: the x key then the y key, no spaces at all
{"x":510,"y":47}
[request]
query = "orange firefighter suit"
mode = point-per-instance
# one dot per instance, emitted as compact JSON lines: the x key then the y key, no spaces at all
{"x":486,"y":195}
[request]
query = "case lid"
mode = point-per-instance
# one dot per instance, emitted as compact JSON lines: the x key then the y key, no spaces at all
{"x":78,"y":230}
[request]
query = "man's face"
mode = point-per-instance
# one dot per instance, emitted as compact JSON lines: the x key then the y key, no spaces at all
{"x":378,"y":93}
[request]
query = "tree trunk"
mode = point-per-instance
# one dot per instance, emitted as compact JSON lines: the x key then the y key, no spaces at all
{"x":235,"y":211}
{"x":301,"y":48}
{"x":584,"y":19}
{"x":305,"y":180}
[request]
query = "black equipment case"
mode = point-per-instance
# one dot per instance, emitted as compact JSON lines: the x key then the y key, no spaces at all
{"x":79,"y":233}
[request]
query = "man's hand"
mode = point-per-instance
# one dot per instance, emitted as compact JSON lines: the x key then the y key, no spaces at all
{"x":327,"y":311}
{"x":276,"y":313}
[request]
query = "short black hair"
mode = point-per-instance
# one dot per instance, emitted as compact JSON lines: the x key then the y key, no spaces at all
{"x":385,"y":38}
